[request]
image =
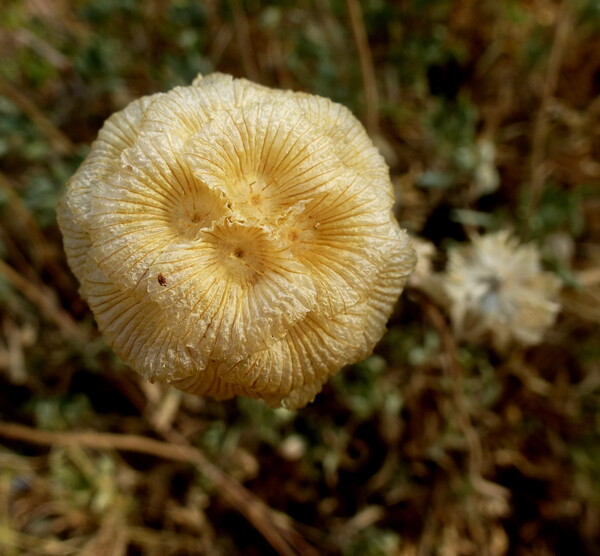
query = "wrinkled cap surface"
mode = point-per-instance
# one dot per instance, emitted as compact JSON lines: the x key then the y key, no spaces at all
{"x":236,"y":240}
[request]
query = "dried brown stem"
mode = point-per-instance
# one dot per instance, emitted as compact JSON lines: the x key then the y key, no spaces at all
{"x":44,"y":299}
{"x":41,"y":250}
{"x":475,"y":453}
{"x":243,"y":39}
{"x":455,"y":374}
{"x":61,"y":143}
{"x":367,"y":70}
{"x":273,"y":526}
{"x":537,"y":166}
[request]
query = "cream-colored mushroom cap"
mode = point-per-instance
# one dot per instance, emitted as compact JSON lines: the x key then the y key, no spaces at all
{"x":234,"y":239}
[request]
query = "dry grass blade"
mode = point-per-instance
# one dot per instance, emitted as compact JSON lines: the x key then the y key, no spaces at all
{"x":45,"y":300}
{"x":244,"y":42}
{"x":475,"y":452}
{"x":42,"y":251}
{"x":366,"y":65}
{"x":62,"y":143}
{"x":538,"y":170}
{"x":273,"y":526}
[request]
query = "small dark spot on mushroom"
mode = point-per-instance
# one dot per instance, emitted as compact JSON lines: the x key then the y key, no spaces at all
{"x":239,"y":253}
{"x":195,"y":218}
{"x":162,"y":279}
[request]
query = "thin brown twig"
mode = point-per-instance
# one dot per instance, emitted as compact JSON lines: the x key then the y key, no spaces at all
{"x":367,"y":69}
{"x":455,"y":372}
{"x":41,"y":250}
{"x":269,"y":523}
{"x":61,"y":143}
{"x":44,"y":299}
{"x":537,"y":166}
{"x":475,"y":453}
{"x":243,"y":39}
{"x":165,"y":428}
{"x":26,"y":38}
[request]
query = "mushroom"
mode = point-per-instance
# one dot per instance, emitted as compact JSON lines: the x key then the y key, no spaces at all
{"x":233,"y":239}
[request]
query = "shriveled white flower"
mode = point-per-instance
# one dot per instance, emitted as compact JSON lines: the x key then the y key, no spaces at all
{"x":496,"y":288}
{"x":234,"y":239}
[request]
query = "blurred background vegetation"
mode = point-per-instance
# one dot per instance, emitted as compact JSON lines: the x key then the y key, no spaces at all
{"x":488,"y":113}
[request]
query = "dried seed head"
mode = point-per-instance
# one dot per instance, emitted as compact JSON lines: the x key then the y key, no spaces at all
{"x":233,"y":239}
{"x":496,"y":288}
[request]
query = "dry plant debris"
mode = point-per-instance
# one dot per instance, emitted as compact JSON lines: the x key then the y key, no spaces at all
{"x":438,"y":444}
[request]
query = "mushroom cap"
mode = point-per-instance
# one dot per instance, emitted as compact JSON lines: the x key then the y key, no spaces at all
{"x":232,"y":239}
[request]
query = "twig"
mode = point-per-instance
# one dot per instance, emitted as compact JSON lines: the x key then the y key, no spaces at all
{"x":243,"y":39}
{"x":475,"y":461}
{"x":455,"y":374}
{"x":41,"y":250}
{"x":269,"y":523}
{"x":537,"y":166}
{"x":367,"y":70}
{"x":62,"y":144}
{"x":41,"y":47}
{"x":44,"y":299}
